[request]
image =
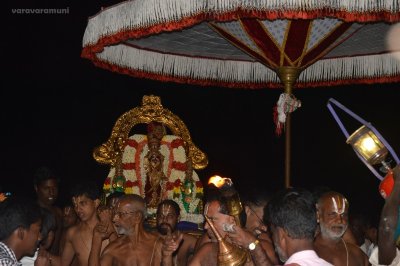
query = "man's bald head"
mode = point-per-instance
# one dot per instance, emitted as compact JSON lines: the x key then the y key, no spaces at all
{"x":332,"y":212}
{"x":134,"y":203}
{"x":339,"y":201}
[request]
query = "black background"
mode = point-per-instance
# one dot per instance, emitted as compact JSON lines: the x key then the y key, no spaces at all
{"x":56,"y":107}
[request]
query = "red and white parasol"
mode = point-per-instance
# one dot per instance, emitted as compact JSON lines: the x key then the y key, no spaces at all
{"x":247,"y":44}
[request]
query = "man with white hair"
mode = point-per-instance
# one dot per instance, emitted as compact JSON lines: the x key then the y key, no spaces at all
{"x":332,"y":215}
{"x":135,"y":246}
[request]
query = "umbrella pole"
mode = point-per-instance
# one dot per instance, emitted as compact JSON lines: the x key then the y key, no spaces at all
{"x":288,"y":76}
{"x":287,"y":150}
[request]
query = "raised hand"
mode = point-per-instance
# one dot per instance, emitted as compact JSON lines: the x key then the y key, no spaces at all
{"x":240,"y":236}
{"x":102,"y":230}
{"x":171,"y":243}
{"x":104,"y":213}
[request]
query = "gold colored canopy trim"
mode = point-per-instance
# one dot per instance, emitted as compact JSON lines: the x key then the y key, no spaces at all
{"x":151,"y":110}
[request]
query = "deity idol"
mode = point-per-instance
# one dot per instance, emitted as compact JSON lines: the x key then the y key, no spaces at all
{"x":153,"y":164}
{"x":156,"y":165}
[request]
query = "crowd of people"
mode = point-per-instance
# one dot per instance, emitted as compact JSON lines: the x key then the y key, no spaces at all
{"x":290,"y":227}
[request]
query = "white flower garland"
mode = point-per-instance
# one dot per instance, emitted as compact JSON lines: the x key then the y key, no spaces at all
{"x":177,"y":154}
{"x":129,"y":153}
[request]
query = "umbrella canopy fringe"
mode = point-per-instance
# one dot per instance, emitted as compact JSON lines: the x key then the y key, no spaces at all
{"x":187,"y":67}
{"x":208,"y":71}
{"x":356,"y":67}
{"x":155,"y":16}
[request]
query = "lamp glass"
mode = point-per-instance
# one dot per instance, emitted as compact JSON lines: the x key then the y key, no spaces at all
{"x":368,"y":145}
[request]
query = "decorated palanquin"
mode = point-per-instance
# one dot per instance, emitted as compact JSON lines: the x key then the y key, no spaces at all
{"x":155,"y":165}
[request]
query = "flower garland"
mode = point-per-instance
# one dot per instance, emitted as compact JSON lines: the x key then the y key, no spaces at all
{"x":174,"y":167}
{"x":107,"y":182}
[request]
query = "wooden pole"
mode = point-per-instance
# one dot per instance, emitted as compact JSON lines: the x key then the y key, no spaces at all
{"x":288,"y":76}
{"x":287,"y":150}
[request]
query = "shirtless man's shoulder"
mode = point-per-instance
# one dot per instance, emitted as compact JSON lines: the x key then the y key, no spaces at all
{"x":323,"y":250}
{"x":335,"y":255}
{"x":72,"y":232}
{"x":116,"y":245}
{"x":269,"y":248}
{"x":189,"y":240}
{"x":76,"y":232}
{"x":320,"y":246}
{"x":186,"y":248}
{"x":205,"y":255}
{"x":209,"y":245}
{"x":75,"y":245}
{"x":360,"y":258}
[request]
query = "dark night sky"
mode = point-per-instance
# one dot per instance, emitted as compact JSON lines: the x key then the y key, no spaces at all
{"x":56,"y":107}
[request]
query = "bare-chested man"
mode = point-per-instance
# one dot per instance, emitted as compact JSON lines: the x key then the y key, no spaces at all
{"x":106,"y":214}
{"x":254,"y":229}
{"x":216,"y":212}
{"x":46,"y":187}
{"x":332,"y":213}
{"x":69,"y":219}
{"x":135,"y":246}
{"x":168,"y":212}
{"x":78,"y":243}
{"x":254,"y":206}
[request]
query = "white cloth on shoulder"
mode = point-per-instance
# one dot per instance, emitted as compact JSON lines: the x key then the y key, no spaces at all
{"x":29,"y":261}
{"x":367,"y":247}
{"x":307,"y":258}
{"x":374,"y":259}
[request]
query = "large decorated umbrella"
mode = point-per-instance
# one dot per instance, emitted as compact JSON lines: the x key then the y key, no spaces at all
{"x":248,"y":44}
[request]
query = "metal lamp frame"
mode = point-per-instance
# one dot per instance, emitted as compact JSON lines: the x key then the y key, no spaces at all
{"x":332,"y":102}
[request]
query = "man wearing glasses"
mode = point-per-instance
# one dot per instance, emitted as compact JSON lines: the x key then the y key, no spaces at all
{"x":135,"y":246}
{"x":254,"y":205}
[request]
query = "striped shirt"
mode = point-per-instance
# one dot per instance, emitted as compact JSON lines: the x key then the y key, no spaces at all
{"x":7,"y":256}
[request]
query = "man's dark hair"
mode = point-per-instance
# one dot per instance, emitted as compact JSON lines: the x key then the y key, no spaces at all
{"x":294,"y":211}
{"x":48,"y":223}
{"x":214,"y":194}
{"x":43,"y":174}
{"x":171,"y":203}
{"x":114,"y":195}
{"x":17,"y":212}
{"x":86,"y":188}
{"x":366,"y":219}
{"x":257,"y":197}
